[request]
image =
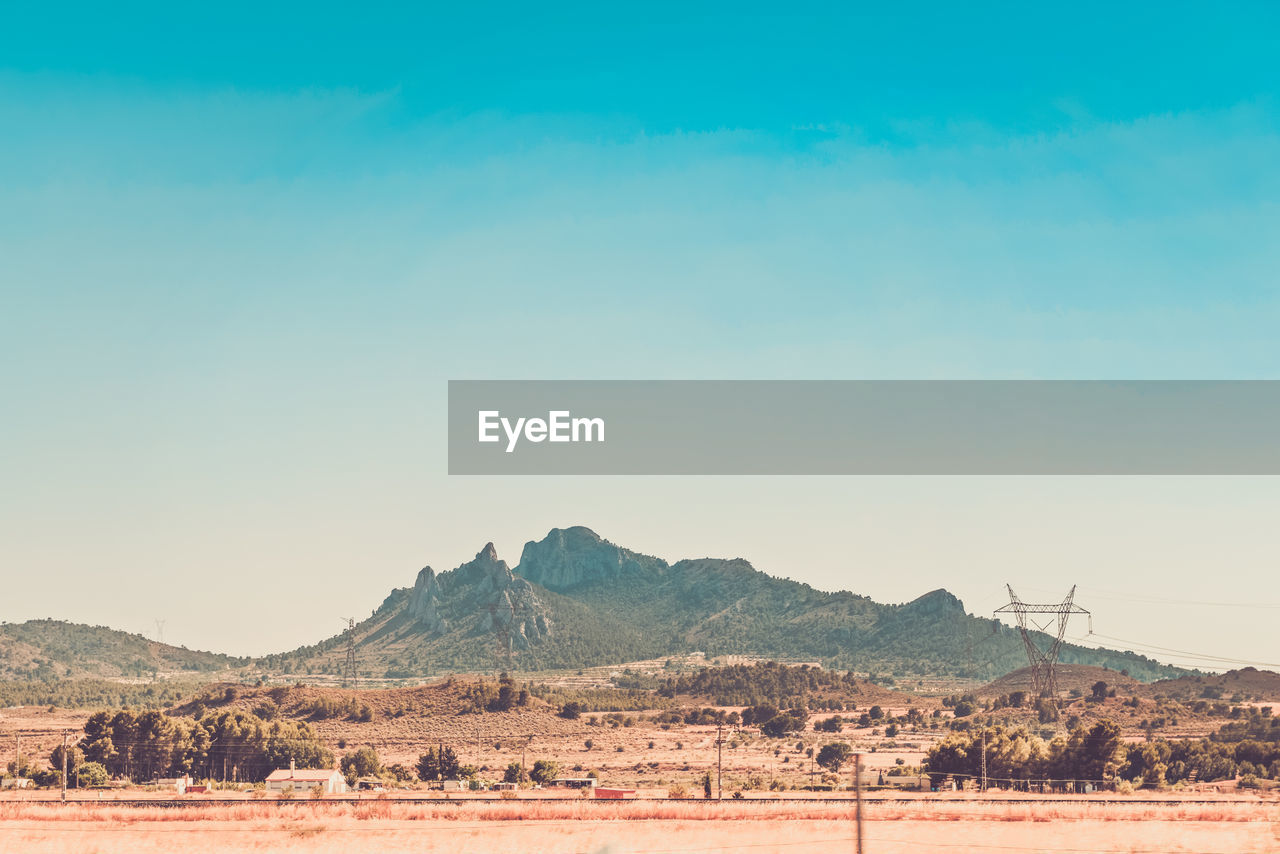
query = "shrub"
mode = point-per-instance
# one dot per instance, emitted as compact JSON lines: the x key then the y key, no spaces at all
{"x":834,"y":755}
{"x":544,"y":771}
{"x":92,"y":774}
{"x":362,"y":763}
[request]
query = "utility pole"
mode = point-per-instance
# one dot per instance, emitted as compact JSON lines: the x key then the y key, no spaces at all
{"x":982,"y":787}
{"x":64,"y":766}
{"x":719,"y":760}
{"x":857,"y":788}
{"x":523,"y":748}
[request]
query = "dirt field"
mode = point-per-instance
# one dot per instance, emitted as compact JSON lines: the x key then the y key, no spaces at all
{"x":645,"y":827}
{"x":640,"y":756}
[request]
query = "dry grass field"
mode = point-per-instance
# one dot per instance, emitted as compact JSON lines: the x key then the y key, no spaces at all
{"x":642,"y":755}
{"x":644,"y":827}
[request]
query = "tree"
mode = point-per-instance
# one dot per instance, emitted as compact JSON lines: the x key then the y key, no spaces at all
{"x":441,"y":764}
{"x":514,"y":774}
{"x":543,"y":771}
{"x":1092,"y":754}
{"x":571,"y":711}
{"x":75,"y":758}
{"x":834,"y":723}
{"x":792,"y":720}
{"x":1147,"y":764}
{"x":706,"y":785}
{"x":1099,"y":690}
{"x":1011,"y":753}
{"x":759,"y":715}
{"x":834,"y":755}
{"x":91,"y":774}
{"x":362,"y":763}
{"x":507,"y":696}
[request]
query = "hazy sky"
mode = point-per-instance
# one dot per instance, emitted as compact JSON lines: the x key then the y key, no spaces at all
{"x":242,"y":252}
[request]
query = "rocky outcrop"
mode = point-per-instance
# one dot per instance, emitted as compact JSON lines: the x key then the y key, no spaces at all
{"x":935,"y":603}
{"x":485,"y":586}
{"x":573,"y":557}
{"x":424,"y":603}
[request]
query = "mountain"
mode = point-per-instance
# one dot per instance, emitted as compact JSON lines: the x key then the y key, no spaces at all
{"x":577,"y":600}
{"x":53,"y":649}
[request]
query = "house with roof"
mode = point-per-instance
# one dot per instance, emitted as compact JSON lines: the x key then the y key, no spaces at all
{"x":293,"y":779}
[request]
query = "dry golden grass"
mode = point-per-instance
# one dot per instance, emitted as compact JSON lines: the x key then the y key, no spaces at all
{"x":640,"y":827}
{"x":638,"y":810}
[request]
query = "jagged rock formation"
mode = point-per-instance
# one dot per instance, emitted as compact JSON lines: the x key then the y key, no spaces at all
{"x":572,"y":557}
{"x":424,"y":603}
{"x":485,"y":586}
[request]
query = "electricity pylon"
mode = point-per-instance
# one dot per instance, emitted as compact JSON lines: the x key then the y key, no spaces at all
{"x":349,"y":676}
{"x":1044,"y":680}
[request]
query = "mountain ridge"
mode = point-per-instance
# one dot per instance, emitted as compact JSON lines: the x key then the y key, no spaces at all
{"x":576,"y":600}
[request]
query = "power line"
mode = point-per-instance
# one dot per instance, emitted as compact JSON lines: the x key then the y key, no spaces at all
{"x":1139,"y":646}
{"x":1096,"y":593}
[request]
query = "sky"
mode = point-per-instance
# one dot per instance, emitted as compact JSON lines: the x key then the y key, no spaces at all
{"x":243,"y":250}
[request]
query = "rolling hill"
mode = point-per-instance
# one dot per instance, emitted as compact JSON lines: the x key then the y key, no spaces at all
{"x":576,"y":600}
{"x":54,"y":649}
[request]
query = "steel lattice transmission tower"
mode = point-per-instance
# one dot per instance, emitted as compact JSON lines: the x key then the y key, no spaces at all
{"x":1043,"y":679}
{"x":349,"y":676}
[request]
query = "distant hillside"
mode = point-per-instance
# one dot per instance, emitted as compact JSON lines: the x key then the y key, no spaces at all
{"x":1070,"y":677}
{"x":1247,"y":683}
{"x":52,"y":649}
{"x":577,"y":600}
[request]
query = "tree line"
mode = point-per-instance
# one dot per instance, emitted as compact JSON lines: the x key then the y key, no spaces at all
{"x":1248,"y":748}
{"x":224,"y":745}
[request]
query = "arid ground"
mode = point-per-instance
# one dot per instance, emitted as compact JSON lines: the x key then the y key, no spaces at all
{"x":645,"y":827}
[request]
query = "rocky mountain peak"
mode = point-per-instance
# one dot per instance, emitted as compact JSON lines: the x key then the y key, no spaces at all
{"x":936,"y":603}
{"x":483,"y":586}
{"x":576,"y":556}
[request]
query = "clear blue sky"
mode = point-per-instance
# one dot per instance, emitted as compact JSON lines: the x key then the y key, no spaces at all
{"x":241,"y":250}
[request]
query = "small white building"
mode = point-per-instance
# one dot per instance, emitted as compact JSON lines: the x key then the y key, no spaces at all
{"x":15,"y":782}
{"x":178,"y":784}
{"x":293,"y":779}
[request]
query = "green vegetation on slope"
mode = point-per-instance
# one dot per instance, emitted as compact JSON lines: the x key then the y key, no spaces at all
{"x":54,"y":649}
